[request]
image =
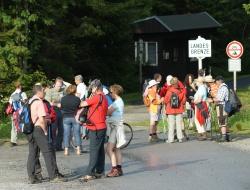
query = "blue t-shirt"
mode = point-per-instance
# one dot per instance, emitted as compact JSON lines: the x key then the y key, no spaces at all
{"x":118,"y":107}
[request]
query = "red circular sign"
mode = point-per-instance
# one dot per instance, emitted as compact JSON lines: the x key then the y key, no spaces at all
{"x":234,"y":50}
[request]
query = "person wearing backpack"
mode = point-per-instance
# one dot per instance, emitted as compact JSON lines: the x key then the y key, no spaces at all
{"x":220,"y":101}
{"x":96,"y":125}
{"x":16,"y":100}
{"x":39,"y":141}
{"x":154,"y":110}
{"x":175,"y":100}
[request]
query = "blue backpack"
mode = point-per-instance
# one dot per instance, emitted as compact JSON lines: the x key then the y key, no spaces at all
{"x":25,"y":122}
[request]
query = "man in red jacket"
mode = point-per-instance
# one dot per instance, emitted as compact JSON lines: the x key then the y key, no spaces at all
{"x":175,"y":100}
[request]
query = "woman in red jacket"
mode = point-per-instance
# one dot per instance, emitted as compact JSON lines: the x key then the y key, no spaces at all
{"x":175,"y":100}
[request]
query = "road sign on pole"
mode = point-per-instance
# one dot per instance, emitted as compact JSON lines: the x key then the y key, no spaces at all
{"x":234,"y":50}
{"x":199,"y":48}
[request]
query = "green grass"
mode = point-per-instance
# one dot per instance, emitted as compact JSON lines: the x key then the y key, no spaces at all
{"x":5,"y":128}
{"x":132,"y":98}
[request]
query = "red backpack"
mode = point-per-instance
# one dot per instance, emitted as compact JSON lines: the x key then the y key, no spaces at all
{"x":50,"y":110}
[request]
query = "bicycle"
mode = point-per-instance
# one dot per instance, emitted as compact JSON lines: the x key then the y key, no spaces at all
{"x":129,"y":134}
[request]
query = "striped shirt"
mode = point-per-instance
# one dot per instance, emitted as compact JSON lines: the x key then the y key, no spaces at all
{"x":222,"y":94}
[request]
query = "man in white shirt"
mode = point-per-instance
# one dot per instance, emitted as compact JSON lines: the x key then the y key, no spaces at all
{"x":16,"y":99}
{"x":81,"y":90}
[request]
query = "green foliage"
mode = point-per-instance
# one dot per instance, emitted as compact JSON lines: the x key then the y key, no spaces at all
{"x":247,"y":8}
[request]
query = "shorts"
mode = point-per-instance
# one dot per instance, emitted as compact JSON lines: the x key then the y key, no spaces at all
{"x":154,"y":117}
{"x":112,"y":131}
{"x":222,"y":115}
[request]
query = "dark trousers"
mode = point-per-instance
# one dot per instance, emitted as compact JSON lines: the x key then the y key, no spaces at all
{"x":57,"y":130}
{"x":39,"y":141}
{"x":97,"y":153}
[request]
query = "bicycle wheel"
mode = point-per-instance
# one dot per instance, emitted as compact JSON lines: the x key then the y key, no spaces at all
{"x":128,"y":133}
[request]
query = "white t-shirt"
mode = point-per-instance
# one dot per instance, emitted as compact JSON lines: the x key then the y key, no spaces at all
{"x":201,"y":93}
{"x":17,"y":91}
{"x":81,"y":90}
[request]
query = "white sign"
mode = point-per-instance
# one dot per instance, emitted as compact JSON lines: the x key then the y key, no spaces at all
{"x":234,"y":65}
{"x":199,"y":48}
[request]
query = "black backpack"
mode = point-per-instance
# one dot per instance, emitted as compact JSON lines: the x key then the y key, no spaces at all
{"x":174,"y":100}
{"x":233,"y":104}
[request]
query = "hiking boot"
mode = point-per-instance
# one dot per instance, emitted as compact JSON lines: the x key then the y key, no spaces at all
{"x":223,"y":138}
{"x":228,"y":138}
{"x":39,"y":177}
{"x":58,"y":179}
{"x":201,"y":137}
{"x":120,"y":171}
{"x":58,"y":174}
{"x":155,"y":138}
{"x":34,"y":180}
{"x":209,"y":136}
{"x":113,"y":173}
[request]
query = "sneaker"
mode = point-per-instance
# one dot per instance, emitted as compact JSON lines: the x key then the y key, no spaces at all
{"x":120,"y":171}
{"x":180,"y":141}
{"x":58,"y":174}
{"x":58,"y":179}
{"x":150,"y":139}
{"x":167,"y":141}
{"x":13,"y":144}
{"x":98,"y":175}
{"x":113,"y":173}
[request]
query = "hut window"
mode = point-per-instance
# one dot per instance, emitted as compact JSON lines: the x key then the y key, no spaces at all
{"x":149,"y":53}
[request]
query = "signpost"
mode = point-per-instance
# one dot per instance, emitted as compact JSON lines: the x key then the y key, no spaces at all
{"x":234,"y":50}
{"x":199,"y":48}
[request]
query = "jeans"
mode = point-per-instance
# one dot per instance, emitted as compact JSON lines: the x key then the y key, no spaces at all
{"x":57,"y":130}
{"x":68,"y":124}
{"x":175,"y":121}
{"x":97,"y":153}
{"x":39,"y":141}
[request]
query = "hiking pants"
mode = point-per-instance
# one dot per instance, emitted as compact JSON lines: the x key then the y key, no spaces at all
{"x":175,"y":122}
{"x":39,"y":141}
{"x":13,"y":132}
{"x":97,"y":153}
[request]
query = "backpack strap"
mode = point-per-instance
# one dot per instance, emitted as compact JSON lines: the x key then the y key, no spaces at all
{"x":30,"y":109}
{"x":99,"y":103}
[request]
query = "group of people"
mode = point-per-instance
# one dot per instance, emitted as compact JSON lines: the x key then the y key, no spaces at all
{"x":55,"y":113}
{"x":194,"y":98}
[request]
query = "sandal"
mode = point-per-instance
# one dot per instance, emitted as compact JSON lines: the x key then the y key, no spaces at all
{"x":87,"y":178}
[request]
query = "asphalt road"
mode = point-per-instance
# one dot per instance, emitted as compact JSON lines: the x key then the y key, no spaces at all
{"x":190,"y":165}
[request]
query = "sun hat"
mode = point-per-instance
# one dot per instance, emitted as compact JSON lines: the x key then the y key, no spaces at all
{"x":168,"y":79}
{"x":152,"y":83}
{"x":209,"y":78}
